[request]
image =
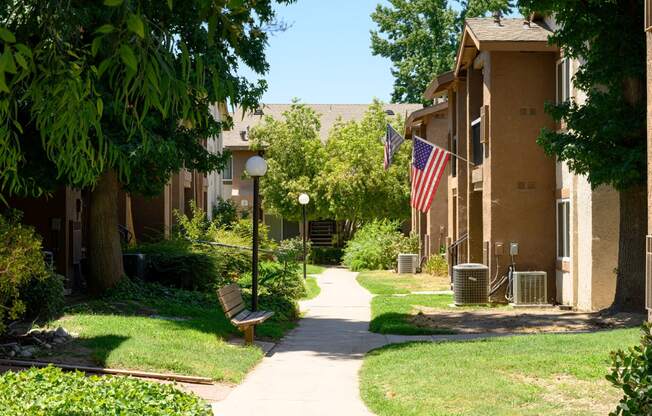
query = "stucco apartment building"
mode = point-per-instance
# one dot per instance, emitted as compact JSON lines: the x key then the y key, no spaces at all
{"x":510,"y":197}
{"x":431,"y":124}
{"x":240,"y":189}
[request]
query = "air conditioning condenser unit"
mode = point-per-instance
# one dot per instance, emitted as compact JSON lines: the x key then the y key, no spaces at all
{"x":530,"y":289}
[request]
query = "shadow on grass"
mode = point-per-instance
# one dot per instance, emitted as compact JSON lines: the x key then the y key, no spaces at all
{"x":400,"y":324}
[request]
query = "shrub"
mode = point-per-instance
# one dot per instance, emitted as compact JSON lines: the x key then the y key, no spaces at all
{"x":44,"y":297}
{"x":376,"y":246}
{"x":49,"y":391}
{"x":278,"y":280}
{"x":225,"y":213}
{"x":21,"y":261}
{"x":178,"y":263}
{"x":632,"y":372}
{"x":326,"y":255}
{"x":436,"y":265}
{"x":194,"y":227}
{"x":291,"y":250}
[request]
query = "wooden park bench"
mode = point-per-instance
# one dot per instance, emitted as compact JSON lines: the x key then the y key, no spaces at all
{"x":233,"y":305}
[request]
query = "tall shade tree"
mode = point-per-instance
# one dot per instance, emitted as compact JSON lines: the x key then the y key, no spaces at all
{"x":117,"y":94}
{"x":295,"y":157}
{"x":420,"y":37}
{"x":605,"y":137}
{"x":355,"y":184}
{"x":344,"y":177}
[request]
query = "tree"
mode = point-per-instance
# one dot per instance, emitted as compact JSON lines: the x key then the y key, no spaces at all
{"x":344,"y":177}
{"x":605,"y":137}
{"x":357,"y":187}
{"x":117,"y":94}
{"x":295,"y":157}
{"x":420,"y":37}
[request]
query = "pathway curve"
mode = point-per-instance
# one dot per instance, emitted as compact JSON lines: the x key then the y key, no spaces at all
{"x":314,"y":369}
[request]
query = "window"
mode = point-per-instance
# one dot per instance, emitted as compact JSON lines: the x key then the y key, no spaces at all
{"x":227,"y":173}
{"x":563,"y":228}
{"x":563,"y":80}
{"x":478,"y":148}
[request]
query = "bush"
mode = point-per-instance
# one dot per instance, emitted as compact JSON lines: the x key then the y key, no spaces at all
{"x":49,"y":391}
{"x":436,"y":265}
{"x":326,"y":255}
{"x":21,"y":261}
{"x":291,"y":250}
{"x":277,"y":280}
{"x":632,"y":373}
{"x":225,"y":213}
{"x":178,"y":263}
{"x":44,"y":298}
{"x":376,"y":246}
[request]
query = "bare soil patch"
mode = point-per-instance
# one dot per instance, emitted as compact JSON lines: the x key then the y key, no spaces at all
{"x":508,"y":320}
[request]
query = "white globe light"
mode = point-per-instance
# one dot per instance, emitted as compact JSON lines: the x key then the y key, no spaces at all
{"x":256,"y":166}
{"x":304,"y":199}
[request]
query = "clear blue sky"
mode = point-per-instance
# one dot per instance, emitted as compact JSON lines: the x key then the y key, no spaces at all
{"x":325,"y":56}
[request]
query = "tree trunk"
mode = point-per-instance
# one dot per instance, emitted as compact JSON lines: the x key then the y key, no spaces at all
{"x":106,"y":268}
{"x":630,"y":283}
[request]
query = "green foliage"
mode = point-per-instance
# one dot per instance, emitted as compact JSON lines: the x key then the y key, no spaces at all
{"x":194,"y":227}
{"x":344,"y":177}
{"x":225,"y":213}
{"x":86,"y":87}
{"x":179,"y":263}
{"x":278,"y":280}
{"x":436,"y":265}
{"x":631,"y":371}
{"x":326,"y":255}
{"x":605,"y":136}
{"x":291,"y":250}
{"x":295,"y":158}
{"x":421,"y":38}
{"x":50,"y":391}
{"x":354,"y":179}
{"x":376,"y":246}
{"x":21,"y":261}
{"x":44,"y":297}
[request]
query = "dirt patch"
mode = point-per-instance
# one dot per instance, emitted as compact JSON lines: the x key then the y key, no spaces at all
{"x":507,"y":320}
{"x":575,"y":396}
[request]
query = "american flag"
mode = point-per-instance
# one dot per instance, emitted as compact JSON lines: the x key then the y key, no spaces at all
{"x":428,"y":166}
{"x":393,"y":141}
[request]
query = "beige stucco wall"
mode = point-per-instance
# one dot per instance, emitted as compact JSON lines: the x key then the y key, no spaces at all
{"x":240,"y":189}
{"x":519,"y":179}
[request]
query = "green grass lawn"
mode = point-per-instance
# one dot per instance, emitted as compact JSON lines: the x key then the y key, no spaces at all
{"x":550,"y":374}
{"x":164,"y":330}
{"x":313,"y":269}
{"x":391,"y":314}
{"x":312,"y":288}
{"x":382,"y":282}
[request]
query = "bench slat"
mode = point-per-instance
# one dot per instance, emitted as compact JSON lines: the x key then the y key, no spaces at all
{"x":234,"y":311}
{"x":223,"y":291}
{"x":231,"y":300}
{"x":253,"y":318}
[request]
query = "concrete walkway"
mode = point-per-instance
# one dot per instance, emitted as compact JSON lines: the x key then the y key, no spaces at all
{"x":314,"y":369}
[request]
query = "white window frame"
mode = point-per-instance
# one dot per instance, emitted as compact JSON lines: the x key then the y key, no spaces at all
{"x":566,"y":75}
{"x":567,"y":230}
{"x":228,"y":181}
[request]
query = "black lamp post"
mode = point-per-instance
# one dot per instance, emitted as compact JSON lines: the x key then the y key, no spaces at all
{"x":255,"y":167}
{"x":304,"y":199}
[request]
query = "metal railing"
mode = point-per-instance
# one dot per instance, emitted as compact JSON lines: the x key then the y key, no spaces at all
{"x":456,"y":252}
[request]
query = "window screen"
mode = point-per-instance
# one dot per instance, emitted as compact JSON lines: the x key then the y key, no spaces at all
{"x":563,"y":228}
{"x":227,"y":173}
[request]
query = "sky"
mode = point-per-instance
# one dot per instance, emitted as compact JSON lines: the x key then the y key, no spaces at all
{"x":325,"y":56}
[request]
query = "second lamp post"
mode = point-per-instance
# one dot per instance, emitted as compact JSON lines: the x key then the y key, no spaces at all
{"x":304,"y":199}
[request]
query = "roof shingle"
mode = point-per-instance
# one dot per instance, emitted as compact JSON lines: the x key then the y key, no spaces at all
{"x":509,"y":30}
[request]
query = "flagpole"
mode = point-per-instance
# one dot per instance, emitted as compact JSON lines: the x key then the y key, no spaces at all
{"x":447,"y":151}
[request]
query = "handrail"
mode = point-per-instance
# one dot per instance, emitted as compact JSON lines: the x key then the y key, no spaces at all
{"x":213,"y":243}
{"x":459,"y":241}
